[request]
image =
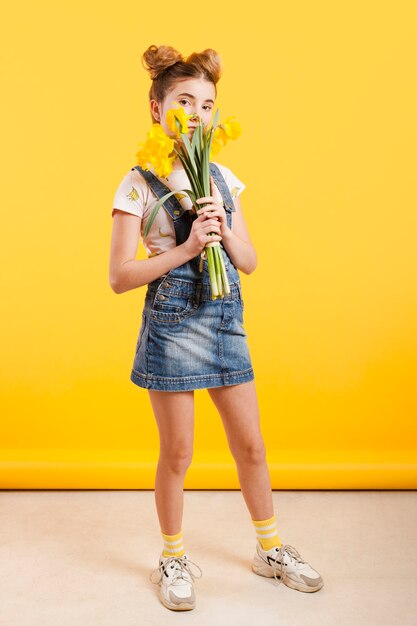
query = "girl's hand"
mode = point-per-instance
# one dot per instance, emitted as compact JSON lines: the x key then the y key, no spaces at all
{"x":199,"y":235}
{"x":214,"y":210}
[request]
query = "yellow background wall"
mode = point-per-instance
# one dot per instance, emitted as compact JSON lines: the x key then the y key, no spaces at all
{"x":326,"y":96}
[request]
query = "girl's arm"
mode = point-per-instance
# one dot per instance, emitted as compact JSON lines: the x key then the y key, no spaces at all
{"x":237,"y":241}
{"x":127,"y":272}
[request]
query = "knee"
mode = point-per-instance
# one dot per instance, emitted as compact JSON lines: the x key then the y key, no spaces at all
{"x":251,"y":452}
{"x":178,"y":458}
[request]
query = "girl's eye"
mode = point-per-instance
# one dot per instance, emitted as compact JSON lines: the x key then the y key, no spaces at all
{"x":208,"y":107}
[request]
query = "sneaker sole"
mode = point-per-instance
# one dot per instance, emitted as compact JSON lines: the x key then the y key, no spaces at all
{"x":266,"y":570}
{"x":184,"y":606}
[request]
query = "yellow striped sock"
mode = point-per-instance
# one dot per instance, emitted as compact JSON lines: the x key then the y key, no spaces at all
{"x":266,"y":532}
{"x":173,"y":544}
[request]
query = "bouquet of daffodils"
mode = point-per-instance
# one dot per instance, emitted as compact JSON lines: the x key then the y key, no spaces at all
{"x":195,"y":157}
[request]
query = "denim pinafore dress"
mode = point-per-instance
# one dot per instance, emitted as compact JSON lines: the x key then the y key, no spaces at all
{"x":187,"y":340}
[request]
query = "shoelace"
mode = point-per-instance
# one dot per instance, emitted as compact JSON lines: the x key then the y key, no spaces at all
{"x":180,"y":564}
{"x":292,"y":553}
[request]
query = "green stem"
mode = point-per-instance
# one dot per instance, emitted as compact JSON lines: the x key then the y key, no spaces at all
{"x":191,"y":173}
{"x":225,"y":277}
{"x":219,"y":271}
{"x":212,"y":272}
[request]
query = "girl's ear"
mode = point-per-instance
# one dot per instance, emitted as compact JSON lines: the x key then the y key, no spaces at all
{"x":155,"y":110}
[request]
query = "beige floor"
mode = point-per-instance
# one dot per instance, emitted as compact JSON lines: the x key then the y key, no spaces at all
{"x":83,"y":558}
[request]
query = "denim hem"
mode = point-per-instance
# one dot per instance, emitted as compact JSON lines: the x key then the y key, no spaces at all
{"x":188,"y":383}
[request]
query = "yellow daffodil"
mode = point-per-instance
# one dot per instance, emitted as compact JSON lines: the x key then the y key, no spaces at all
{"x":231,"y":128}
{"x":218,"y":141}
{"x":182,"y":117}
{"x":156,"y":150}
{"x":164,"y":168}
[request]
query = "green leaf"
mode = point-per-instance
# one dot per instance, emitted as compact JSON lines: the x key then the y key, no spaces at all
{"x":191,"y":194}
{"x":178,"y":124}
{"x":156,"y":208}
{"x":188,"y":146}
{"x":161,"y":201}
{"x":216,"y":118}
{"x":197,"y":146}
{"x":206,"y":173}
{"x":194,"y":141}
{"x":210,"y":140}
{"x":193,"y":178}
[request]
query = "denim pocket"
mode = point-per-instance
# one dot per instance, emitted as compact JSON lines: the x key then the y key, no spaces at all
{"x":171,"y":308}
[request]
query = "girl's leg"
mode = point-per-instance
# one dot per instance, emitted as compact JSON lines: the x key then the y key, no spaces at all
{"x":174,"y":414}
{"x":238,"y":408}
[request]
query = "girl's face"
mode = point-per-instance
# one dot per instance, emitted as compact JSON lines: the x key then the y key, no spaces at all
{"x":194,"y":95}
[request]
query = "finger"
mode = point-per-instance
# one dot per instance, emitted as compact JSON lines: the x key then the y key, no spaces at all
{"x":200,"y":219}
{"x":212,"y":213}
{"x":215,"y":192}
{"x":201,"y":213}
{"x":210,"y":227}
{"x":206,"y":199}
{"x":208,"y":207}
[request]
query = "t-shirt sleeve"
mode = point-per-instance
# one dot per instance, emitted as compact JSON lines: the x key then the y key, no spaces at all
{"x":129,"y":196}
{"x":236,"y":186}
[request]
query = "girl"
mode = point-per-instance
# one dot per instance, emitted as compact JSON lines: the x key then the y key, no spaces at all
{"x":187,"y":340}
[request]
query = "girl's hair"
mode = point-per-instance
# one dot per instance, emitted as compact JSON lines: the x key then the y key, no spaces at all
{"x":166,"y":66}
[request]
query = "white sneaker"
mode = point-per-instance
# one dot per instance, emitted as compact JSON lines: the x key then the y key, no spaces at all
{"x":285,"y":564}
{"x":176,"y":582}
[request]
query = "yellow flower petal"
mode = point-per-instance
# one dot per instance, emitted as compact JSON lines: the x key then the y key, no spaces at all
{"x":156,"y":150}
{"x":179,"y":114}
{"x":232,"y":128}
{"x":217,"y":141}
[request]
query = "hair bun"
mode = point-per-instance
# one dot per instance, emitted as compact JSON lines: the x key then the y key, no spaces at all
{"x":209,"y":62}
{"x":156,"y":59}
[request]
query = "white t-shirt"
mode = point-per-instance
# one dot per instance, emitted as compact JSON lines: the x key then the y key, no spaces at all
{"x":135,"y":196}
